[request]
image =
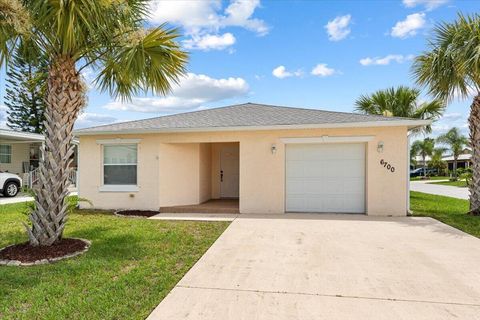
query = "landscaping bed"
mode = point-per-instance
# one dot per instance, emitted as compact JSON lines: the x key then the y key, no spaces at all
{"x":26,"y":254}
{"x":136,"y":213}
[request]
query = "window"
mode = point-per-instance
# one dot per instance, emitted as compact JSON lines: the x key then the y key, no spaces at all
{"x":120,"y":164}
{"x":5,"y":153}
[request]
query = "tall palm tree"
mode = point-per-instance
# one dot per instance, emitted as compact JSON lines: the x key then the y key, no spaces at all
{"x":450,"y":69}
{"x":423,"y":148}
{"x":108,"y":36}
{"x":400,"y":102}
{"x":456,"y":143}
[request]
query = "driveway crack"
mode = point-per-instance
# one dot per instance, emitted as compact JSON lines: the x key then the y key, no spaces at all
{"x":333,"y":295}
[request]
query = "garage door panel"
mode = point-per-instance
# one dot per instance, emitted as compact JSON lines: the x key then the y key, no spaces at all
{"x":295,"y":169}
{"x":325,"y":178}
{"x":354,"y":185}
{"x":295,"y":187}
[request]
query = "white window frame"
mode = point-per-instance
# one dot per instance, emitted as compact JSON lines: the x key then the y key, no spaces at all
{"x":7,"y":154}
{"x":117,"y":187}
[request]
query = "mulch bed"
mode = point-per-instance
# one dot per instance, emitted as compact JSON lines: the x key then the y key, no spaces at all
{"x":26,"y":253}
{"x":137,"y":213}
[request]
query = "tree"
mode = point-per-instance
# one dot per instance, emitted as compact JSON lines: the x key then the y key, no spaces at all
{"x":456,"y":143}
{"x":423,"y":148}
{"x":108,"y":36}
{"x":437,"y":161}
{"x":400,"y":102}
{"x":450,"y":69}
{"x":24,"y":93}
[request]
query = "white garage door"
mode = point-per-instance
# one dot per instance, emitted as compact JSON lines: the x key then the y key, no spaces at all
{"x":325,"y":177}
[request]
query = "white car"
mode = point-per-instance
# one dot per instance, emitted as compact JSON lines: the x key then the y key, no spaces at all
{"x":10,"y":184}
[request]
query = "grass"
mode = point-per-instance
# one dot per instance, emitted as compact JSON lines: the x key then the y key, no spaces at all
{"x":458,"y":183}
{"x":448,"y":210}
{"x":130,"y":267}
{"x":429,"y":178}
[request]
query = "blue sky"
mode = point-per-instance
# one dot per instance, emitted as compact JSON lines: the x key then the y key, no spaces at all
{"x":313,"y":54}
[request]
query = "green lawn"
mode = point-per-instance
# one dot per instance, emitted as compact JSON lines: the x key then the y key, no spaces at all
{"x":451,"y":211}
{"x":458,"y":183}
{"x":429,"y":178}
{"x":130,"y":267}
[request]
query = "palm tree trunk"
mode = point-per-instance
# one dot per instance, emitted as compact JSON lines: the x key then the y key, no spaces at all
{"x":455,"y":168}
{"x":65,"y":97}
{"x":474,"y":124}
{"x":424,"y":166}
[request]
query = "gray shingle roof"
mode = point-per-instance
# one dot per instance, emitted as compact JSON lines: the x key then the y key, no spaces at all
{"x":241,"y":115}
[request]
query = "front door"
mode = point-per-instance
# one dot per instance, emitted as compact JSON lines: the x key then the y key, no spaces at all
{"x":229,"y":171}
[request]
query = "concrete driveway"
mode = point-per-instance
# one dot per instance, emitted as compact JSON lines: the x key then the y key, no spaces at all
{"x":331,"y":267}
{"x":448,"y":191}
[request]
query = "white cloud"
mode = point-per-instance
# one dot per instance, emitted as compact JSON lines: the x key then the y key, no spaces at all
{"x":210,"y":42}
{"x":448,"y":121}
{"x":281,"y":72}
{"x":383,"y":61}
{"x":322,"y":70}
{"x":408,"y":27}
{"x":88,"y":76}
{"x":429,"y":4}
{"x":204,"y":19}
{"x":88,"y":119}
{"x":337,"y":28}
{"x":239,"y":13}
{"x":191,"y":93}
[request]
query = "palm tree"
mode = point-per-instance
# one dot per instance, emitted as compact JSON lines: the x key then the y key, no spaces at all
{"x":437,"y":161}
{"x":400,"y":102}
{"x":456,"y":143}
{"x":108,"y":36}
{"x":450,"y":68}
{"x":423,"y":148}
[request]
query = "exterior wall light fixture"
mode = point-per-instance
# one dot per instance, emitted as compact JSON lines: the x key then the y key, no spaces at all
{"x":273,"y":148}
{"x":380,"y":147}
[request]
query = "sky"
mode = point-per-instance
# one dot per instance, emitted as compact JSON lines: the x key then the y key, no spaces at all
{"x":310,"y":54}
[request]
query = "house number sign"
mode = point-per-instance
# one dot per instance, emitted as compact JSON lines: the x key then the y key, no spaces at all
{"x":387,"y":165}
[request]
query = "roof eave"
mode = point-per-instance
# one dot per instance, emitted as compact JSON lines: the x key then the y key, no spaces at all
{"x":410,"y":124}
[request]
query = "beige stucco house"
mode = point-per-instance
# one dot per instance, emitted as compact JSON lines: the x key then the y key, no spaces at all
{"x":273,"y":159}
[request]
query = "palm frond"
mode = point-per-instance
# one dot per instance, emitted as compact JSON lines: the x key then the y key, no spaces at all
{"x":152,"y":61}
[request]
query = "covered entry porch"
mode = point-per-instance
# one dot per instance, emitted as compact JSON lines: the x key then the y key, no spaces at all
{"x":200,"y":177}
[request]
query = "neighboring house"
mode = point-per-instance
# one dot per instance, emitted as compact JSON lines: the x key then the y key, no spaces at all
{"x":20,"y":154}
{"x":464,"y":160}
{"x":274,"y":159}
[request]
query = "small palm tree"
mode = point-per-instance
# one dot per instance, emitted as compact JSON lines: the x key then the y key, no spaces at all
{"x":437,"y":161}
{"x":423,"y":148}
{"x":108,"y":36}
{"x":456,"y":143}
{"x":450,"y":68}
{"x":400,"y":102}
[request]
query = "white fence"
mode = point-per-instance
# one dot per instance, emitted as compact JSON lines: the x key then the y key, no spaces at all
{"x":31,"y":178}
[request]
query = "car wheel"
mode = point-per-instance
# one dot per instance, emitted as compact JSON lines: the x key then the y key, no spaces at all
{"x":10,"y":190}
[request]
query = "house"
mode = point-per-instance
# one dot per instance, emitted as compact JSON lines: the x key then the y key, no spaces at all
{"x":20,"y":154}
{"x":272,"y":159}
{"x":19,"y":151}
{"x":464,"y":160}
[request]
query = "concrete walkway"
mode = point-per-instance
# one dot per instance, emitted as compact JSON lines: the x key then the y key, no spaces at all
{"x":438,"y":189}
{"x":331,"y":267}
